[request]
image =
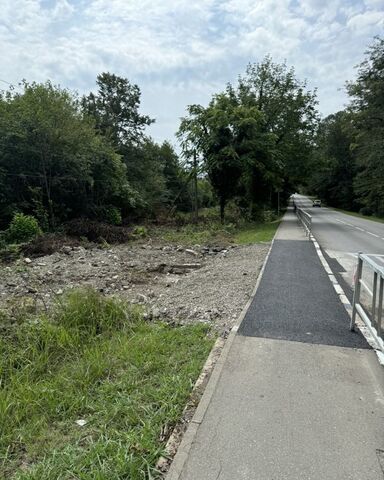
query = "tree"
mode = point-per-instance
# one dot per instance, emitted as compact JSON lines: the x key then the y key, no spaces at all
{"x":367,"y":107}
{"x":290,"y":113}
{"x":255,"y":139}
{"x":333,"y":165}
{"x":115,"y":108}
{"x":52,"y":162}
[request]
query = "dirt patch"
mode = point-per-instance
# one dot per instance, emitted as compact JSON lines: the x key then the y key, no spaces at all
{"x":174,"y":283}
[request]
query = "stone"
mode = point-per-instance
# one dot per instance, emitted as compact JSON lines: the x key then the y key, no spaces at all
{"x":191,"y":252}
{"x":27,"y":260}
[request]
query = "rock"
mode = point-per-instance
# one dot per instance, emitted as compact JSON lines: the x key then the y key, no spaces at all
{"x":27,"y":260}
{"x":142,"y":298}
{"x":162,"y":464}
{"x":31,"y":290}
{"x":191,"y":252}
{"x":177,"y":271}
{"x":167,"y":249}
{"x":155,"y":313}
{"x":66,"y":249}
{"x":186,"y":266}
{"x":125,"y":287}
{"x":59,"y":292}
{"x":81,"y":422}
{"x":41,"y":264}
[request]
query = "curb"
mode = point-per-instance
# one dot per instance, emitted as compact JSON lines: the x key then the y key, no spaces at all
{"x":182,"y":453}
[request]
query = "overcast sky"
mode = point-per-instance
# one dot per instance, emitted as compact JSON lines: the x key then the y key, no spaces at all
{"x":182,"y":51}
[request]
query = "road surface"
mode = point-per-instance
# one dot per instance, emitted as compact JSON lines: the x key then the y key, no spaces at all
{"x":341,"y":236}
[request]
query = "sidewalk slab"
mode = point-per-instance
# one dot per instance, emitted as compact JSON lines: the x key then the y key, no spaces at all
{"x":299,"y":397}
{"x":287,"y":410}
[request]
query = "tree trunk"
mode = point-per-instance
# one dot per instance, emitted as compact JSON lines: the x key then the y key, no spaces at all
{"x":195,"y":202}
{"x":222,"y":209}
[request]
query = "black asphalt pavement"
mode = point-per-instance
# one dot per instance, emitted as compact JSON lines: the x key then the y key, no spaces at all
{"x":296,"y":301}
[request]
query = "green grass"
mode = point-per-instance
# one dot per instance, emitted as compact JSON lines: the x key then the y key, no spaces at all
{"x":214,"y":232}
{"x":359,"y":215}
{"x":256,"y":233}
{"x":95,"y":359}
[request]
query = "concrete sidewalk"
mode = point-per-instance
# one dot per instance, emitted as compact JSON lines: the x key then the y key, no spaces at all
{"x":299,"y":396}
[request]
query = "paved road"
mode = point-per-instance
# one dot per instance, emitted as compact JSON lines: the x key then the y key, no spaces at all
{"x":341,"y":236}
{"x":299,"y":396}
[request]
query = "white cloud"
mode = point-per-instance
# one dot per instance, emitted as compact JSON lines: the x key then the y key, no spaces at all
{"x":367,"y":21}
{"x":182,"y":51}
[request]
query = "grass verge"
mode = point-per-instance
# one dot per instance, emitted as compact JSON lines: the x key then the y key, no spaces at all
{"x":94,"y":360}
{"x":215,"y":233}
{"x":256,"y":233}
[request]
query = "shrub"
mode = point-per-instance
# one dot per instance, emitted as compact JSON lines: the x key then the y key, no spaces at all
{"x":96,"y":231}
{"x":112,"y":215}
{"x":366,"y":211}
{"x":140,"y":232}
{"x":47,"y":244}
{"x":23,"y":228}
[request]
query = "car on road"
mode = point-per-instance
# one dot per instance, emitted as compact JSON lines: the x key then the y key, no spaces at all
{"x":316,"y":203}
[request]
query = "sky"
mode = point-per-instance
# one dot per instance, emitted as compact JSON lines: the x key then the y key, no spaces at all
{"x":181,"y":52}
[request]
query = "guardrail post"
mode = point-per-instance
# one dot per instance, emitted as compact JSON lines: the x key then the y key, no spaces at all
{"x":374,"y":292}
{"x":356,"y":293}
{"x":380,"y":306}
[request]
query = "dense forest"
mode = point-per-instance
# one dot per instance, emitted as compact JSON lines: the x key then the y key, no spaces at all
{"x":65,"y":157}
{"x":348,"y":155}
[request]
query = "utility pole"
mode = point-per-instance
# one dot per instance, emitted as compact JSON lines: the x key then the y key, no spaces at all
{"x":195,"y":202}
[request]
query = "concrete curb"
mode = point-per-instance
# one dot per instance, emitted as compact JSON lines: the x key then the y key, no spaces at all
{"x":181,"y":456}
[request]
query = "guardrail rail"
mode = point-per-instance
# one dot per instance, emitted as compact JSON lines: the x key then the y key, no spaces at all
{"x":371,"y":315}
{"x":304,"y":217}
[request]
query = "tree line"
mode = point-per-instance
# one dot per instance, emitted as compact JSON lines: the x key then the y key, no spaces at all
{"x":63,"y":156}
{"x":347,"y":163}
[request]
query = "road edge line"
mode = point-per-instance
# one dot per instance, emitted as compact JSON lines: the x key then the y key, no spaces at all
{"x":346,"y":303}
{"x":181,"y":456}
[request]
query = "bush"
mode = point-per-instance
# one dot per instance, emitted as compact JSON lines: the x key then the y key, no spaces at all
{"x":47,"y":244}
{"x":366,"y":211}
{"x":23,"y":228}
{"x":96,"y":231}
{"x":110,"y":214}
{"x":140,"y":232}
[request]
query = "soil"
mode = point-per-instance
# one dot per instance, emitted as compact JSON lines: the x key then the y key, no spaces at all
{"x":175,"y":283}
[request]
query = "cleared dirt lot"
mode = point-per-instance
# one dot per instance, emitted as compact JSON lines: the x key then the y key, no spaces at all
{"x":176,"y":283}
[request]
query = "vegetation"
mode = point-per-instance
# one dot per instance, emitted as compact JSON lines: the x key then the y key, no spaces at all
{"x":348,"y":162}
{"x":94,"y":361}
{"x":254,"y":139}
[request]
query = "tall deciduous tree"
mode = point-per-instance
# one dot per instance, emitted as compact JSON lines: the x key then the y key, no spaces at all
{"x":255,"y":138}
{"x":367,"y":106}
{"x":52,"y":162}
{"x":115,"y":108}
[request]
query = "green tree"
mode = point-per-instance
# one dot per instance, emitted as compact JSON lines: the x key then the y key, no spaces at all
{"x":254,"y":139}
{"x":115,"y":108}
{"x":52,"y":162}
{"x":333,"y":165}
{"x":367,"y":107}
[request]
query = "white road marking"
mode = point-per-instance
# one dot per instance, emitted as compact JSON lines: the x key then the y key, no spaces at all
{"x":373,"y":234}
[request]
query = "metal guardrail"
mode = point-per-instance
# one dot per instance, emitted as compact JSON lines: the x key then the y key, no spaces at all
{"x":304,"y":217}
{"x":372,"y":315}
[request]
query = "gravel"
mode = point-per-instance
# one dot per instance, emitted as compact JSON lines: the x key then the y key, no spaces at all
{"x":174,"y":283}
